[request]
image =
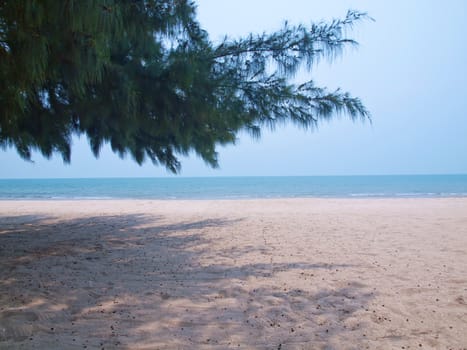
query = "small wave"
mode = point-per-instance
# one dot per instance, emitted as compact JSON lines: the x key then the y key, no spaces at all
{"x":369,"y":195}
{"x":79,"y":197}
{"x":454,"y":194}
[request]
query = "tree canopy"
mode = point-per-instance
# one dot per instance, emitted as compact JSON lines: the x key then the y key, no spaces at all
{"x":143,"y":76}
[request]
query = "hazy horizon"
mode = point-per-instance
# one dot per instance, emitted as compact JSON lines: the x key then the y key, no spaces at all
{"x":226,"y":176}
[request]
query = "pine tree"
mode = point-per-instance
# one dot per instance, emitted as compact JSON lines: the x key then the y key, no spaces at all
{"x":143,"y":76}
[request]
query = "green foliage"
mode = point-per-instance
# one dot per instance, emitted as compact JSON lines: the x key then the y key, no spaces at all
{"x":143,"y":76}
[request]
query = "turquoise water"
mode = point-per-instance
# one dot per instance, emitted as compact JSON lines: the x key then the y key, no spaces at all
{"x":237,"y":187}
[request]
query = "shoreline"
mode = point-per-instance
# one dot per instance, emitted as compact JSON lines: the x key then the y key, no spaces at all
{"x":257,"y":273}
{"x":195,"y":199}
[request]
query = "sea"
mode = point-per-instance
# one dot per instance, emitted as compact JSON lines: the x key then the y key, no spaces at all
{"x":393,"y":186}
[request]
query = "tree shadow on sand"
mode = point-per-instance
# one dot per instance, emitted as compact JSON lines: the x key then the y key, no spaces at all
{"x":141,"y":282}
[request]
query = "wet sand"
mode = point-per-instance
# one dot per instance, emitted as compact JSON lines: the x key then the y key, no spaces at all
{"x":252,"y":274}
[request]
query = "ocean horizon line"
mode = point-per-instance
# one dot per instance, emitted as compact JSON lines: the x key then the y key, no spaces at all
{"x":229,"y":176}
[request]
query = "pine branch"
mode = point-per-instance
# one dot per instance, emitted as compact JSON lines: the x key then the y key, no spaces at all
{"x":291,"y":47}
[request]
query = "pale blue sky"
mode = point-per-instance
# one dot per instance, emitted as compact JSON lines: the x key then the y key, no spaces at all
{"x":409,"y":70}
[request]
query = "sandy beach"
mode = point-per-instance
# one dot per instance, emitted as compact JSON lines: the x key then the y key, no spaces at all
{"x":251,"y":274}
